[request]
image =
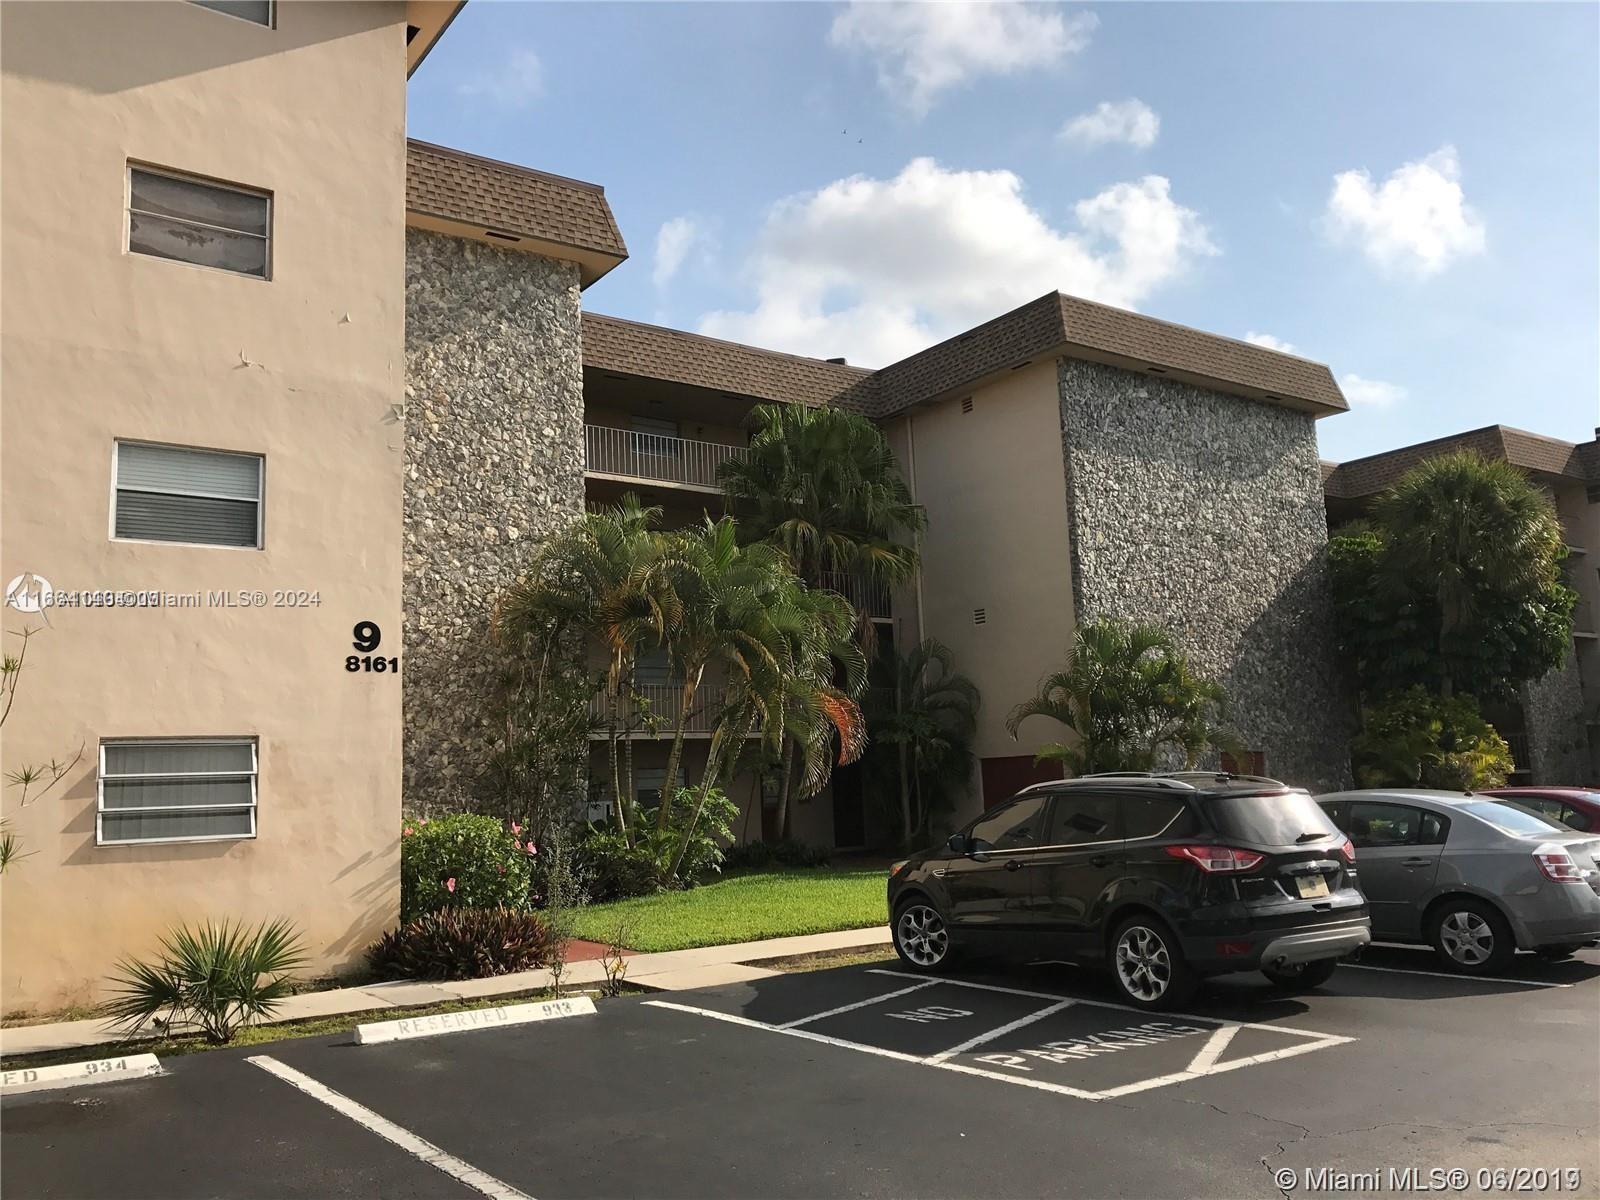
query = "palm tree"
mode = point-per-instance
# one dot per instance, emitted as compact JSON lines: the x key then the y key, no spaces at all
{"x":1471,"y":531}
{"x":929,"y":713}
{"x":603,"y":580}
{"x":777,"y":643}
{"x":821,"y":484}
{"x":1130,"y":695}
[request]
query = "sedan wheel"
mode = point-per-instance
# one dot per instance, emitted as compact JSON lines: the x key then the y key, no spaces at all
{"x":1471,"y":937}
{"x":920,"y":937}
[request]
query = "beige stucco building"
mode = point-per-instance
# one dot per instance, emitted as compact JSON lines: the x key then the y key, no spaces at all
{"x":201,"y":367}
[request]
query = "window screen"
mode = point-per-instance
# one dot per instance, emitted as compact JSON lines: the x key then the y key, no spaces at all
{"x":198,"y":222}
{"x":167,"y":494}
{"x":170,"y":791}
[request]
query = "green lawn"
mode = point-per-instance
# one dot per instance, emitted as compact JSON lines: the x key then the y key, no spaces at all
{"x":742,"y":908}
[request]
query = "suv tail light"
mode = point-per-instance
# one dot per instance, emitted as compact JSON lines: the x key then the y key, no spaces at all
{"x":1557,"y":864}
{"x":1347,"y":850}
{"x":1217,"y":859}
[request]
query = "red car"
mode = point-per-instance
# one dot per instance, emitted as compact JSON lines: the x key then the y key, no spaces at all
{"x":1576,"y":808}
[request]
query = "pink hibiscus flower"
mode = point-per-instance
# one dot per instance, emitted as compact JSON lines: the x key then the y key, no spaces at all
{"x":450,"y":884}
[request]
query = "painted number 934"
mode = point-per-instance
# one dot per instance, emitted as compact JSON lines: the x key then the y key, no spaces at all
{"x":367,"y":637}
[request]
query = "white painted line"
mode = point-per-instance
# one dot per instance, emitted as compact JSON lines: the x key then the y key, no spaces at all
{"x":990,"y":987}
{"x":420,"y":1148}
{"x":972,"y":1043}
{"x":1253,"y":1060}
{"x":962,"y":1068}
{"x":1458,"y":978}
{"x":475,"y":1018}
{"x":98,"y":1070}
{"x":844,"y":1008}
{"x":1212,"y":1050}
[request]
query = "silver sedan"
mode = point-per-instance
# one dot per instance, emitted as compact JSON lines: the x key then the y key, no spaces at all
{"x":1474,"y":877}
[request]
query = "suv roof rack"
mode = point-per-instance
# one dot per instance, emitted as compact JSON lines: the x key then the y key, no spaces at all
{"x":1186,"y":781}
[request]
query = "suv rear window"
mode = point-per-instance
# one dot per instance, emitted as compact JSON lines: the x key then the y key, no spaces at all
{"x":1278,"y":819}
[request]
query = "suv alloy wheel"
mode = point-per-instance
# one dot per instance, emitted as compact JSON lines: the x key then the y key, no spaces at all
{"x":1148,"y":966}
{"x":920,"y":937}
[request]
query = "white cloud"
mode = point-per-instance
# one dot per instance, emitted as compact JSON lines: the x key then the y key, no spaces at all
{"x":1370,"y":393}
{"x":876,"y":269}
{"x":517,"y":81}
{"x":1270,"y":342}
{"x":674,"y":240}
{"x":1131,"y":121}
{"x":923,"y":49}
{"x":1417,"y":221}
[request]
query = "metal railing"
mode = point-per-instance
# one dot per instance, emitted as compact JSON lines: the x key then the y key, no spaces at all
{"x":868,"y":597}
{"x":657,"y":702}
{"x":634,"y":455}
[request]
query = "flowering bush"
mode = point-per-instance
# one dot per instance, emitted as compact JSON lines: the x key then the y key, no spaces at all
{"x":463,"y":861}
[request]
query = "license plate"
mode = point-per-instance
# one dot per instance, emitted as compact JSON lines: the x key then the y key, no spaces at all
{"x":1311,"y":886}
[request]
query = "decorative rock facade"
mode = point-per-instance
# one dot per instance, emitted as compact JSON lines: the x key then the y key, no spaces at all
{"x":494,"y":465}
{"x":1553,"y":714}
{"x":1203,"y":513}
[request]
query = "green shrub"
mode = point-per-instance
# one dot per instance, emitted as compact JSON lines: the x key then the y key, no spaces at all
{"x":1415,"y":739}
{"x":607,"y":868}
{"x":463,"y":943}
{"x":761,"y":856}
{"x":214,"y":979}
{"x":462,"y":861}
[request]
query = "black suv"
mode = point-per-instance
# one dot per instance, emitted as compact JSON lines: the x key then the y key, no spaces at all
{"x":1169,"y":877}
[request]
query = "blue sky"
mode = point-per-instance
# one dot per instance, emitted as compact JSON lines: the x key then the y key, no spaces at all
{"x":1407,"y":192}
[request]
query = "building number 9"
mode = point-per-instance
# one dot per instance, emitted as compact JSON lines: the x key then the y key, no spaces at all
{"x":367,"y":637}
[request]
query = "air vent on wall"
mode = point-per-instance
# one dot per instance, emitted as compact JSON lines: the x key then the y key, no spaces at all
{"x":966,"y":404}
{"x":980,"y":616}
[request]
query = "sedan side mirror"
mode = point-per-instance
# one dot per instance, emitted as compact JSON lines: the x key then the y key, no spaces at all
{"x":957,"y":843}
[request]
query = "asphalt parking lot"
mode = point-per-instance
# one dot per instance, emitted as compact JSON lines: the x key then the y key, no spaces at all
{"x":863,"y":1081}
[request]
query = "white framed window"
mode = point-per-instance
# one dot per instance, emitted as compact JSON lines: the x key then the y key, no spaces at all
{"x":176,"y":790}
{"x":257,"y":12}
{"x":199,"y":221}
{"x":657,"y":437}
{"x":178,"y":494}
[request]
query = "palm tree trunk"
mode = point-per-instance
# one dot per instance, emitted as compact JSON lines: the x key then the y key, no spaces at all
{"x":675,"y":755}
{"x":789,"y":752}
{"x":707,"y":782}
{"x":905,"y":800}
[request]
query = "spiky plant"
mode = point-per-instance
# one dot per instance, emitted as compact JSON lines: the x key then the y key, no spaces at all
{"x":214,"y":980}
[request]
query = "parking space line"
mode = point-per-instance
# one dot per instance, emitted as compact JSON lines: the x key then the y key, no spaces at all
{"x":991,"y":987}
{"x":919,"y":1060}
{"x":867,"y":1003}
{"x":1128,"y":1089}
{"x":417,"y":1147}
{"x":972,"y":1043}
{"x":1212,"y":1050}
{"x":1447,"y":975}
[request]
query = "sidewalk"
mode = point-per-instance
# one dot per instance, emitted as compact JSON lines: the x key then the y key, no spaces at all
{"x":674,"y":970}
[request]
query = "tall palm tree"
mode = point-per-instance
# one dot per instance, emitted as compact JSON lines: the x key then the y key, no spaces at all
{"x":1468,"y":529}
{"x":822,"y":485}
{"x":1130,"y":696}
{"x":603,"y":580}
{"x":929,"y":714}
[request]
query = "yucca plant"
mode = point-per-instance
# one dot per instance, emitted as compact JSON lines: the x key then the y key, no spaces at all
{"x":214,"y":980}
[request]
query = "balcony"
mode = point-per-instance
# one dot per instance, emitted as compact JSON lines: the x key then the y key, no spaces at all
{"x":869,"y":598}
{"x":629,"y":456}
{"x":1521,"y":752}
{"x":657,"y":703}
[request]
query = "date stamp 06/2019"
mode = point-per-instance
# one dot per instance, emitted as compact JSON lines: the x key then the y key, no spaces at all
{"x":1421,"y":1180}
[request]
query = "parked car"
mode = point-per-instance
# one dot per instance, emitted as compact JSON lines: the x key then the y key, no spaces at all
{"x":1474,"y":877}
{"x":1576,"y":808}
{"x":1167,"y":878}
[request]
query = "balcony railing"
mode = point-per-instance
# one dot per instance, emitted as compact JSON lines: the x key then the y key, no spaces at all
{"x":867,"y":597}
{"x":657,"y":704}
{"x":1520,"y":751}
{"x":628,"y":454}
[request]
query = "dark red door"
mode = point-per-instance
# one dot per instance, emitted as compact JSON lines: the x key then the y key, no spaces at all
{"x":1003,"y":778}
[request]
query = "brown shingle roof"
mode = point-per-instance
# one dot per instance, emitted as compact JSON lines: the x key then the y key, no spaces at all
{"x":1531,"y":451}
{"x":459,"y":187}
{"x":1054,"y":321}
{"x":633,"y":348}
